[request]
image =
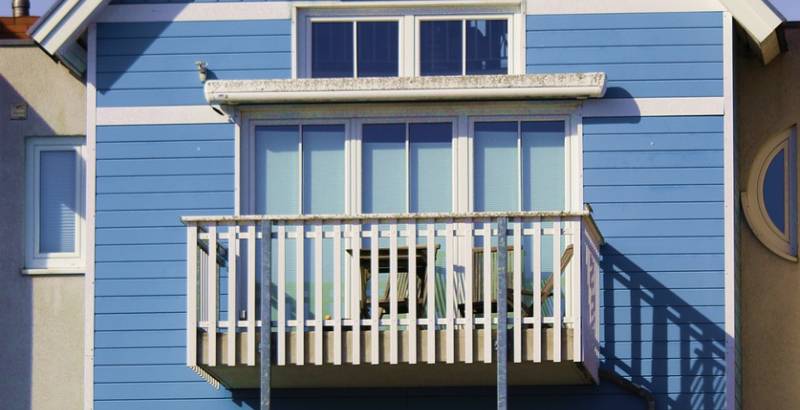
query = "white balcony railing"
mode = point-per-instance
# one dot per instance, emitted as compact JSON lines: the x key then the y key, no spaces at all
{"x":404,"y":288}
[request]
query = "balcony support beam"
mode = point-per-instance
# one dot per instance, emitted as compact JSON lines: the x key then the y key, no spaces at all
{"x":266,"y":313}
{"x":502,"y":314}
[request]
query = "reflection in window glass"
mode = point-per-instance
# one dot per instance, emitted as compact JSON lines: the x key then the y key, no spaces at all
{"x":496,"y":175}
{"x":57,"y":201}
{"x":441,"y":47}
{"x":332,"y":49}
{"x":487,"y":47}
{"x":377,"y":49}
{"x":543,"y":166}
{"x":383,"y":168}
{"x":774,"y":190}
{"x":430,"y":169}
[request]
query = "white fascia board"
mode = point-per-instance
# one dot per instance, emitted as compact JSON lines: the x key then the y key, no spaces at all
{"x":757,"y":18}
{"x":434,"y":88}
{"x":65,"y":23}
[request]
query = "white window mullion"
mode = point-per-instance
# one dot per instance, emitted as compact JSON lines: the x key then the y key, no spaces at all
{"x":355,"y":49}
{"x":464,"y":47}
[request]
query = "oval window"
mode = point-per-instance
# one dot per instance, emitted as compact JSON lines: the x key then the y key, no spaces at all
{"x":770,"y":202}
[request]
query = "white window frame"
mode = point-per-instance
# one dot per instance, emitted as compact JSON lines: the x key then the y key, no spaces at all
{"x":509,"y":18}
{"x":408,"y":19}
{"x":37,"y":262}
{"x":247,"y":159}
{"x":783,"y":244}
{"x":357,"y":126}
{"x":573,"y":164}
{"x":307,"y":45}
{"x":463,"y":114}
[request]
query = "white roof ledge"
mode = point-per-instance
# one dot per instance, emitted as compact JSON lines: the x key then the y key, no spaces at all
{"x":381,"y":89}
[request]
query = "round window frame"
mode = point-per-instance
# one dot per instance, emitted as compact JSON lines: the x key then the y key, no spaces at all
{"x":755,"y":210}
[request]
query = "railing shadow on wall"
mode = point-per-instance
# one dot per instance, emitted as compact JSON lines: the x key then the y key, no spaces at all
{"x":676,"y":351}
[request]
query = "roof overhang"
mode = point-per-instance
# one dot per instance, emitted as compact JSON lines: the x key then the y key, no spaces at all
{"x":386,"y":89}
{"x":760,"y":22}
{"x":65,"y":21}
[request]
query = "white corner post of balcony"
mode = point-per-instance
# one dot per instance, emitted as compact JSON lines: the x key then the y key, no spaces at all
{"x":266,"y":313}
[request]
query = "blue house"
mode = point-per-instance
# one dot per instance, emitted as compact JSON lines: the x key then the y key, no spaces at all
{"x":340,"y":184}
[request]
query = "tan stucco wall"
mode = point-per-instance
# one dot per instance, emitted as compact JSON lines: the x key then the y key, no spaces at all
{"x":41,"y":341}
{"x":768,"y":101}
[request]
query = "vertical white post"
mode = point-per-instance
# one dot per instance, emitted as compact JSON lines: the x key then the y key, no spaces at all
{"x":212,"y":295}
{"x":393,"y":347}
{"x":356,"y":294}
{"x":537,"y":290}
{"x":449,"y":293}
{"x":318,"y":316}
{"x":411,"y":231}
{"x":487,"y":291}
{"x":468,"y":297}
{"x":557,"y":290}
{"x":251,"y":295}
{"x":281,"y":293}
{"x":233,"y":318}
{"x":300,"y":317}
{"x":430,"y":281}
{"x":191,"y":295}
{"x":337,"y":293}
{"x":374,"y":327}
{"x":517,"y":291}
{"x":578,"y":273}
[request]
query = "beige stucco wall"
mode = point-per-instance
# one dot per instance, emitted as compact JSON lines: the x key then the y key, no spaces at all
{"x":41,"y":342}
{"x":768,"y":101}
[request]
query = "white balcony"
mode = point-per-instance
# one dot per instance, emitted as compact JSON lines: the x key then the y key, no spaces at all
{"x":435,"y":329}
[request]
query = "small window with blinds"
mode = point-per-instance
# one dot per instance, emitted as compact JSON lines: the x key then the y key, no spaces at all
{"x":55,"y":205}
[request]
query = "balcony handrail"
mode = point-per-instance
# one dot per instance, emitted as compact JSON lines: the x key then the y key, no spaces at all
{"x":585,"y":214}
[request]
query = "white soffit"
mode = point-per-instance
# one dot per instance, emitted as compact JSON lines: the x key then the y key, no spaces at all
{"x":434,"y":88}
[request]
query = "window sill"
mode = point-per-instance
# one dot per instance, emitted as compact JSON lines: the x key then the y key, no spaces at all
{"x":53,"y":271}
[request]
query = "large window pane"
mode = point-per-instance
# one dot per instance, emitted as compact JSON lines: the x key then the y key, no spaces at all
{"x":487,"y":47}
{"x":383,"y":168}
{"x":323,"y":169}
{"x":57,"y":201}
{"x":441,"y":47}
{"x":377,"y":49}
{"x":496,"y":176}
{"x":276,"y":179}
{"x":430,"y":167}
{"x":775,"y":190}
{"x":542,"y":166}
{"x":331,"y":50}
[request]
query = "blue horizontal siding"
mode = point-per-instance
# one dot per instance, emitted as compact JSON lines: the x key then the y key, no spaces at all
{"x":656,"y":187}
{"x":141,"y":64}
{"x":642,"y":54}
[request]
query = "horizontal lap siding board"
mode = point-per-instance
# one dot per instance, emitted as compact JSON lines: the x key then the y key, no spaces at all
{"x":153,"y":63}
{"x":140,"y":272}
{"x":643,"y":54}
{"x":656,"y":187}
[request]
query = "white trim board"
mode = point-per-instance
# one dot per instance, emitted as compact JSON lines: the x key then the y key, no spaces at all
{"x":91,"y":171}
{"x":730,"y":213}
{"x":180,"y":114}
{"x":653,"y":107}
{"x":119,"y":13}
{"x":620,"y":6}
{"x":623,"y":107}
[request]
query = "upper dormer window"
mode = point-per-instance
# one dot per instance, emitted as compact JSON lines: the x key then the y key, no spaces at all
{"x":464,"y":46}
{"x":354,"y":48}
{"x":390,"y":42}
